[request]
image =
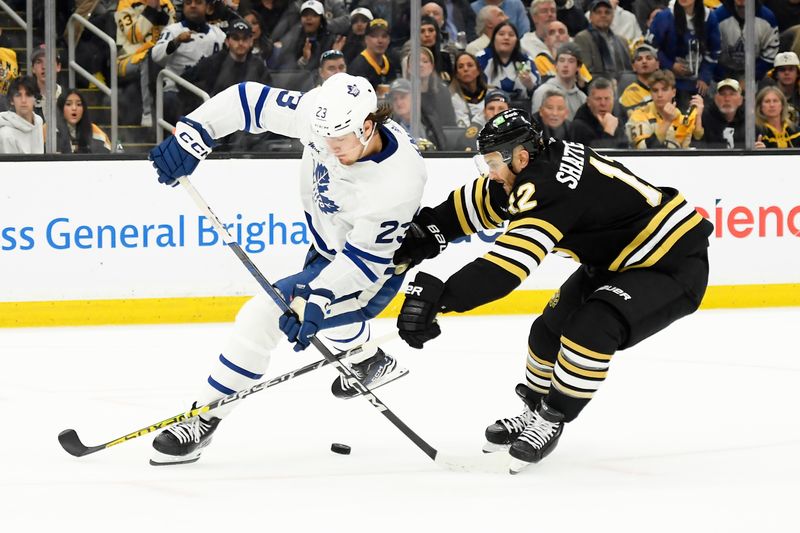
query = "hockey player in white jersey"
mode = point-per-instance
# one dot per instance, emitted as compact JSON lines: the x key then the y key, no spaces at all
{"x":361,"y":182}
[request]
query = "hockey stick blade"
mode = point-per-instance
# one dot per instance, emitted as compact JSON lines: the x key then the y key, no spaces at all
{"x":72,"y":444}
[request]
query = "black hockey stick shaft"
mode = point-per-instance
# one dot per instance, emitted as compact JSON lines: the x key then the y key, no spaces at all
{"x":70,"y":441}
{"x":429,"y":450}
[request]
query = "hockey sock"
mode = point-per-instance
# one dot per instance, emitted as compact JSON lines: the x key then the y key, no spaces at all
{"x":348,"y":336}
{"x":543,"y":346}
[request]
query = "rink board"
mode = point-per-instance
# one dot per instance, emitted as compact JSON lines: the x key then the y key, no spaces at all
{"x":102,"y":242}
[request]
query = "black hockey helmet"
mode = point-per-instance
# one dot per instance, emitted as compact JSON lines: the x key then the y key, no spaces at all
{"x":508,"y":129}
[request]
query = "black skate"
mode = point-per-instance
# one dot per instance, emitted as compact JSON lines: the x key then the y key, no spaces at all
{"x":503,"y":432}
{"x":184,"y":442}
{"x":538,"y":439}
{"x":373,"y":372}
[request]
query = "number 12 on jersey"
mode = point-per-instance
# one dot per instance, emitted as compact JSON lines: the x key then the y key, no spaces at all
{"x":605,"y":167}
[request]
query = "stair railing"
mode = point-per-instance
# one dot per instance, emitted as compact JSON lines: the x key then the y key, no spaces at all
{"x":162,"y":124}
{"x":27,"y":26}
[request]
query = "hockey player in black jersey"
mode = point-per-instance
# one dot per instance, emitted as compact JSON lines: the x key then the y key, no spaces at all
{"x":643,"y":256}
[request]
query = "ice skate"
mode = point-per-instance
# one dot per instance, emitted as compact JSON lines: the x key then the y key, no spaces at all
{"x":539,"y":438}
{"x":503,"y":432}
{"x":184,"y":442}
{"x":373,"y":372}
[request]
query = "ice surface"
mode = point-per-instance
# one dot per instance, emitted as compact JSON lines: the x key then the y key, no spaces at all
{"x":696,"y":429}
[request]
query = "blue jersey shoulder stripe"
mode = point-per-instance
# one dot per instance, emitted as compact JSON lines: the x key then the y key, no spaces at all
{"x":262,"y":98}
{"x":245,"y":105}
{"x":317,"y":238}
{"x":360,"y":264}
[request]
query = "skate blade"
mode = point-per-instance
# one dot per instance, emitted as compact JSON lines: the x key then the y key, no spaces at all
{"x":491,"y":447}
{"x":162,"y":459}
{"x":380,"y":382}
{"x":516,"y":466}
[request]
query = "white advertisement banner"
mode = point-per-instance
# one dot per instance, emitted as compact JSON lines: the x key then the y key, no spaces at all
{"x":108,"y":229}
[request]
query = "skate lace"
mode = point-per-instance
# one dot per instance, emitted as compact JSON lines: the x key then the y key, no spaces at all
{"x":539,"y":431}
{"x":518,"y":423}
{"x":189,"y":431}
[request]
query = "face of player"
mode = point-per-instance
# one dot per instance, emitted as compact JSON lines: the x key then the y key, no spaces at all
{"x":239,"y":45}
{"x":728,"y":100}
{"x":466,"y":70}
{"x":496,"y":168}
{"x":601,"y":17}
{"x":332,"y":66}
{"x":505,"y":40}
{"x":256,"y":27}
{"x":493,"y":108}
{"x":377,"y":42}
{"x":787,"y":76}
{"x":401,"y":105}
{"x":557,"y":34}
{"x":358,"y":25}
{"x":600,"y":101}
{"x":662,"y":94}
{"x":23,"y":103}
{"x":427,"y":35}
{"x":348,"y":148}
{"x":554,"y":111}
{"x":73,"y":109}
{"x":310,"y":21}
{"x":645,"y":64}
{"x":771,"y":106}
{"x":195,"y":10}
{"x":566,"y":67}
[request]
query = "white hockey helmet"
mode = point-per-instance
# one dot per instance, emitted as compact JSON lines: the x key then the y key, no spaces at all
{"x":343,"y":104}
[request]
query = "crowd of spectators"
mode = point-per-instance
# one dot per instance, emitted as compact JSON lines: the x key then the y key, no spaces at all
{"x":637,"y":74}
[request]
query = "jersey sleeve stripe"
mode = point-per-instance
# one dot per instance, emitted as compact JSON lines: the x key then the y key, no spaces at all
{"x":525,"y":244}
{"x":458,"y":200}
{"x":487,"y":200}
{"x":317,"y":238}
{"x":508,"y":265}
{"x":646,"y":232}
{"x":674,"y":220}
{"x":570,"y":253}
{"x":667,"y":244}
{"x":477,"y":197}
{"x":554,"y":233}
{"x":523,"y":257}
{"x":539,"y":237}
{"x":361,"y":266}
{"x":262,"y":98}
{"x":245,"y":105}
{"x":366,"y":255}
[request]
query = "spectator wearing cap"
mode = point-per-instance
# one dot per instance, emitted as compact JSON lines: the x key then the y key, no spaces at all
{"x":507,"y":67}
{"x":373,"y":62}
{"x":304,"y":43}
{"x":557,"y":35}
{"x":182,"y":45}
{"x":468,"y":91}
{"x":139,"y":25}
{"x":553,"y":115}
{"x":786,"y":76}
{"x":330,"y":62}
{"x":773,"y":128}
{"x":723,"y":118}
{"x":515,"y":10}
{"x":496,"y":101}
{"x":624,"y":23}
{"x":726,"y":34}
{"x":21,"y":130}
{"x":360,"y":18}
{"x":660,"y":124}
{"x":39,"y":71}
{"x":595,"y":124}
{"x":543,"y":12}
{"x":233,"y":64}
{"x":487,"y":20}
{"x":604,"y":53}
{"x":263,"y":47}
{"x":568,"y":62}
{"x":637,"y":94}
{"x":400,"y":99}
{"x":681,"y":37}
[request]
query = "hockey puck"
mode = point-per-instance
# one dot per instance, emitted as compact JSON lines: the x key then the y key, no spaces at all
{"x":343,"y":449}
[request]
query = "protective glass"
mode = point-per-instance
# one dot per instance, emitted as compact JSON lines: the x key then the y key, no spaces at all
{"x":491,"y":162}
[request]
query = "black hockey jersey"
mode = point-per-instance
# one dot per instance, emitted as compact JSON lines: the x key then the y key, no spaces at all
{"x":571,"y":200}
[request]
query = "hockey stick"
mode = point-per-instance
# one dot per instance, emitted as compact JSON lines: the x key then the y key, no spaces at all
{"x":427,"y":449}
{"x":70,"y":441}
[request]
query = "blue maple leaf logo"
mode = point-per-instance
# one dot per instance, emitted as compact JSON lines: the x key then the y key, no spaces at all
{"x":321,"y":185}
{"x":353,"y":89}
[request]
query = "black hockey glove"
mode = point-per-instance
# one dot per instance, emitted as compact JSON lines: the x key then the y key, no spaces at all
{"x":417,"y":320}
{"x":423,"y":240}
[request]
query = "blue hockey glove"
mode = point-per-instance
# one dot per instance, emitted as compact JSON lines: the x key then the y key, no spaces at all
{"x":308,"y":312}
{"x":180,"y":154}
{"x":417,"y":319}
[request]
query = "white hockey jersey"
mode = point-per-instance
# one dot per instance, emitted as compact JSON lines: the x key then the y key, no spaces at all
{"x":356,"y":214}
{"x":203,"y":44}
